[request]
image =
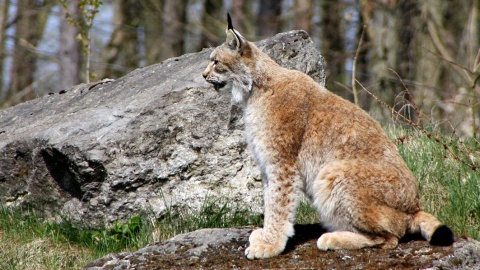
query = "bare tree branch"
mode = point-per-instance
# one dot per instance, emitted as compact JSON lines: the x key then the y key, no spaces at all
{"x":354,"y":67}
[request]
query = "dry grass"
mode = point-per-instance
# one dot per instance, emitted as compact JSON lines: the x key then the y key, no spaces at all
{"x":42,"y":254}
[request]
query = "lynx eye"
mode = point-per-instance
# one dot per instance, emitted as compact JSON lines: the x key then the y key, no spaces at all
{"x":215,"y":61}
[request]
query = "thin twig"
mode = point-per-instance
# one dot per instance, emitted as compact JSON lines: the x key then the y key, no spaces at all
{"x":444,"y":54}
{"x":476,"y":64}
{"x":354,"y":67}
{"x":411,"y":100}
{"x":455,"y":64}
{"x":431,"y":135}
{"x":477,"y":79}
{"x":343,"y":86}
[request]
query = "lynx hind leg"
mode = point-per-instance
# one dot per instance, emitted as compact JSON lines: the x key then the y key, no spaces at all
{"x":350,"y":240}
{"x":356,"y":219}
{"x":431,"y":229}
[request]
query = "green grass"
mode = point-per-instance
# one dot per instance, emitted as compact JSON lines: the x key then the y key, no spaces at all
{"x":27,"y":242}
{"x":448,"y":189}
{"x":214,"y":213}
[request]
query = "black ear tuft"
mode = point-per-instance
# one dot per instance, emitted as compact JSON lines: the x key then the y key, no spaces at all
{"x":234,"y":39}
{"x":229,"y":21}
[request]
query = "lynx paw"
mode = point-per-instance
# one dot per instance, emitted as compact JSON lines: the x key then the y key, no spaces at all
{"x":258,"y":249}
{"x":325,"y":242}
{"x":262,"y":251}
{"x":351,"y":240}
{"x":256,"y":236}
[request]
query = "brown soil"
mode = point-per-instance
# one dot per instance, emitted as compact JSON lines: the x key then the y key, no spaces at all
{"x":301,"y":253}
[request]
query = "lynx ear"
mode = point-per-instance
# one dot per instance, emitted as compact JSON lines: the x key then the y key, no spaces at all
{"x":234,"y":39}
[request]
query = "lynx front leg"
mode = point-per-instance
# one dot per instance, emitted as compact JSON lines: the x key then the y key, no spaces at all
{"x":280,"y":199}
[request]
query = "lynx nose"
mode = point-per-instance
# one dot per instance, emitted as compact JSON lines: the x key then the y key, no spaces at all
{"x":204,"y":74}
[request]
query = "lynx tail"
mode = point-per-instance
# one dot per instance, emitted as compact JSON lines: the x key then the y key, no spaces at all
{"x":432,"y":229}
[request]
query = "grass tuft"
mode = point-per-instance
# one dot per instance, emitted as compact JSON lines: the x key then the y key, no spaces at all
{"x":214,"y":213}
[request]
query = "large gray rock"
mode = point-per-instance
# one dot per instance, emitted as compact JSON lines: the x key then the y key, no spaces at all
{"x":224,"y":249}
{"x":159,"y":137}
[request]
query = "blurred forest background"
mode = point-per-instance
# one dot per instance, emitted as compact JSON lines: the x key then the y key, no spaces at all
{"x":430,"y":47}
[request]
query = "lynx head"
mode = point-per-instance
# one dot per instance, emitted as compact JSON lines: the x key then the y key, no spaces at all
{"x":228,"y":65}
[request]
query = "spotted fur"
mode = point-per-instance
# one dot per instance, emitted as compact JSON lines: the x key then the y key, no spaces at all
{"x":305,"y":138}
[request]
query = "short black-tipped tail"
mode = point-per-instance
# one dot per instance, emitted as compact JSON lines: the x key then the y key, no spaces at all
{"x":442,"y":236}
{"x":431,"y":229}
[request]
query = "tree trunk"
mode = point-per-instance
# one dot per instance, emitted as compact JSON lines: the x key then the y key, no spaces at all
{"x":390,"y":28}
{"x":303,"y":15}
{"x":243,"y":18}
{"x":69,"y":48}
{"x":333,"y":43}
{"x":428,"y":44}
{"x":32,"y":16}
{"x":152,"y":24}
{"x":452,"y":44}
{"x":429,"y":67}
{"x":174,"y":29}
{"x":269,"y":18}
{"x":213,"y":23}
{"x":4,"y":5}
{"x":121,"y":54}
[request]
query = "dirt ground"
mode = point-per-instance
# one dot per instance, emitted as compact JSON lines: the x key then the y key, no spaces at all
{"x":301,"y":253}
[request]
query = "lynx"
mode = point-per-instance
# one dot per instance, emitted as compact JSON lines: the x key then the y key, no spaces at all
{"x":307,"y":139}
